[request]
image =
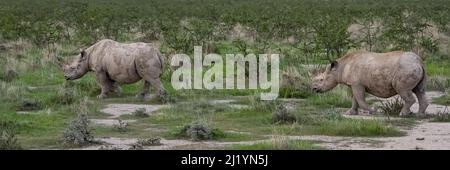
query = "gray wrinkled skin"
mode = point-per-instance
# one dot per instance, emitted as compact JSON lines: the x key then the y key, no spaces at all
{"x":117,"y":63}
{"x":380,"y":74}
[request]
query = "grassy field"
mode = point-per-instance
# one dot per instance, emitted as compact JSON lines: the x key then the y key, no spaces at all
{"x":37,"y":104}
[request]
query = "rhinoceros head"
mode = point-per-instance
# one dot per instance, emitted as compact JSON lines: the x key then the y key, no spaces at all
{"x":77,"y":68}
{"x":327,"y":80}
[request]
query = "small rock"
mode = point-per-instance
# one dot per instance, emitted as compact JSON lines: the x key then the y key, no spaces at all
{"x":420,"y":138}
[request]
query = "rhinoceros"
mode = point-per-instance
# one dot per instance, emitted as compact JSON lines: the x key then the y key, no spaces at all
{"x":380,"y":74}
{"x":117,"y":63}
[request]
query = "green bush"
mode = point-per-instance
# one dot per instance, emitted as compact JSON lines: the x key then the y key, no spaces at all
{"x":200,"y":130}
{"x":141,"y":112}
{"x":391,"y":108}
{"x":78,"y":132}
{"x":121,"y":126}
{"x":283,"y":115}
{"x":149,"y":141}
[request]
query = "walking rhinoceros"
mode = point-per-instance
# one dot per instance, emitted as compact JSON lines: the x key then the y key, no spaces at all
{"x":117,"y":63}
{"x":380,"y":74}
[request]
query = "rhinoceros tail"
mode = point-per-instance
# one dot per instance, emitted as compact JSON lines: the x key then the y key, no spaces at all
{"x":420,"y":87}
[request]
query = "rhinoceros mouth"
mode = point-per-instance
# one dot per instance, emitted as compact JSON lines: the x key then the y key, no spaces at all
{"x":317,"y":90}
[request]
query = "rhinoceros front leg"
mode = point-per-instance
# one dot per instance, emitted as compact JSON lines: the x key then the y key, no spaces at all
{"x":359,"y":95}
{"x":105,"y":83}
{"x":354,"y":109}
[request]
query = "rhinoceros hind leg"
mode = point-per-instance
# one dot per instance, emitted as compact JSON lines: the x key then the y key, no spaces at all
{"x":423,"y":103}
{"x":409,"y":100}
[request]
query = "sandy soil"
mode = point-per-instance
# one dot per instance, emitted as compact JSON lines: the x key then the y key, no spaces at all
{"x":116,"y":110}
{"x":424,"y":136}
{"x":108,"y":122}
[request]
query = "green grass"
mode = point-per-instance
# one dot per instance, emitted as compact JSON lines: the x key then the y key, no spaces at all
{"x":444,"y":100}
{"x":278,"y":145}
{"x":355,"y":127}
{"x":442,"y":116}
{"x":437,"y":68}
{"x":339,"y":97}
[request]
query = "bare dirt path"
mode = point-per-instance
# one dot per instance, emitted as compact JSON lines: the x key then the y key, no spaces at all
{"x":424,"y":136}
{"x":116,"y":110}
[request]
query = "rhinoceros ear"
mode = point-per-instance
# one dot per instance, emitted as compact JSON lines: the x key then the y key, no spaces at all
{"x":334,"y":65}
{"x":82,"y":55}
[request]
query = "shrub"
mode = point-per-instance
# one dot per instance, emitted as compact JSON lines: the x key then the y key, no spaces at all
{"x":283,"y":115}
{"x":121,"y":126}
{"x":8,"y":138}
{"x":149,"y":141}
{"x":391,"y":108}
{"x":141,"y":112}
{"x":200,"y":130}
{"x":164,"y":97}
{"x":78,"y":132}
